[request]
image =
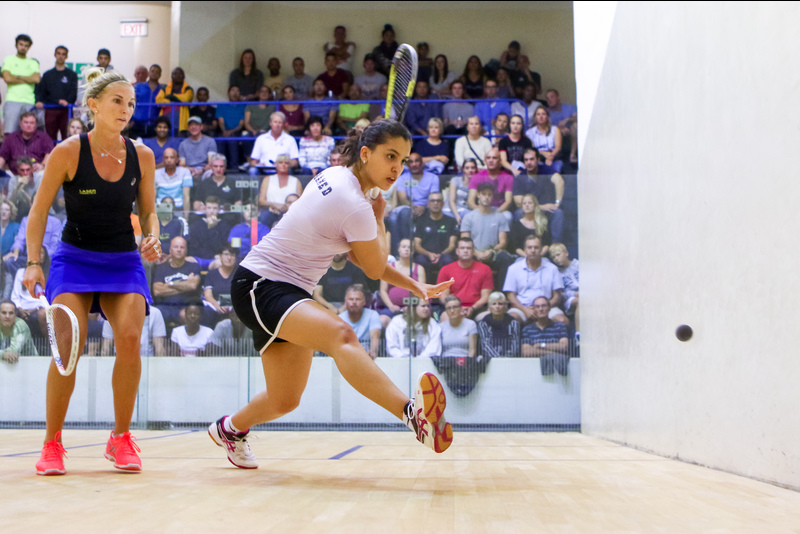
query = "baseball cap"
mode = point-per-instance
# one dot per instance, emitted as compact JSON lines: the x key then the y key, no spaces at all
{"x":196,"y":119}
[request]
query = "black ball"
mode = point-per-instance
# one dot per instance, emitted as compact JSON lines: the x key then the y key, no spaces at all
{"x":684,"y":332}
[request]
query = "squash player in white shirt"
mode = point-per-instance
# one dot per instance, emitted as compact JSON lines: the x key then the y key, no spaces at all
{"x":271,"y":294}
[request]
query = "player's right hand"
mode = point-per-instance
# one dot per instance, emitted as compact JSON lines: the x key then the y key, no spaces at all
{"x":33,"y":275}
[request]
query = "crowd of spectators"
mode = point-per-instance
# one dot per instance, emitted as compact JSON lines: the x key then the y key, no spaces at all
{"x":479,"y":200}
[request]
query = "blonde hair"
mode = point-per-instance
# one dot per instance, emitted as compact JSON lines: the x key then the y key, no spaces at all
{"x":555,"y":248}
{"x":13,"y":214}
{"x":437,"y":121}
{"x":97,"y":79}
{"x":538,"y":217}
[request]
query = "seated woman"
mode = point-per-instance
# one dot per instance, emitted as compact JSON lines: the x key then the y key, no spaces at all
{"x":473,"y":78}
{"x":274,"y":190}
{"x":392,"y":296}
{"x":256,"y":116}
{"x":295,"y":116}
{"x":532,"y":222}
{"x":350,"y":113}
{"x":459,"y":334}
{"x":427,"y":333}
{"x":499,"y":128}
{"x":547,"y":140}
{"x":315,"y":148}
{"x":15,"y":335}
{"x":441,"y":77}
{"x":504,"y":87}
{"x":472,"y":145}
{"x":191,"y":339}
{"x":433,"y":150}
{"x":512,"y":148}
{"x":459,"y":190}
{"x":217,"y":288}
{"x":499,"y":332}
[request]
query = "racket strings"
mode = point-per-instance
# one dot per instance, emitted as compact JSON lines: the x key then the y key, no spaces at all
{"x":62,"y":330}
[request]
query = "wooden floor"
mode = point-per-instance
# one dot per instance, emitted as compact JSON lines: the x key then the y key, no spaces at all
{"x":331,"y":482}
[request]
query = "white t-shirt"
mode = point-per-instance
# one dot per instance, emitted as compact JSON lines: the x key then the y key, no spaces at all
{"x":300,"y":248}
{"x":172,"y":186}
{"x":267,"y":149}
{"x":153,"y":327}
{"x":191,"y":345}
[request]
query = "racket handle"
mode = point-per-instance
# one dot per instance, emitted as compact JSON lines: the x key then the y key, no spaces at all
{"x":374,"y":192}
{"x":38,"y":290}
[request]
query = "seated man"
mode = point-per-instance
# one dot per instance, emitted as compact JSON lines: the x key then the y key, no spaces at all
{"x":169,"y":225}
{"x":23,"y":186}
{"x":565,"y":118}
{"x":371,"y":80}
{"x":218,"y":185}
{"x":527,"y":280}
{"x":154,"y":333}
{"x":413,"y":187}
{"x":435,"y":237}
{"x":473,"y":280}
{"x":208,"y":235}
{"x":502,"y":182}
{"x":232,"y":338}
{"x":546,"y":339}
{"x":217,"y":288}
{"x":240,"y":235}
{"x":207,"y":113}
{"x":366,"y":323}
{"x":488,"y":229}
{"x":191,"y":339}
{"x":486,"y":110}
{"x":332,"y":287}
{"x":499,"y":331}
{"x":420,"y":112}
{"x":270,"y":145}
{"x":26,"y":142}
{"x":162,"y":141}
{"x":337,"y":80}
{"x":173,"y":181}
{"x":15,"y":336}
{"x":176,"y":283}
{"x":194,"y":150}
{"x":569,"y":275}
{"x":548,"y":192}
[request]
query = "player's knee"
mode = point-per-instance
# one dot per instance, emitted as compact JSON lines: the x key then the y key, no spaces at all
{"x":344,"y":335}
{"x":286,"y":404}
{"x":128,"y":339}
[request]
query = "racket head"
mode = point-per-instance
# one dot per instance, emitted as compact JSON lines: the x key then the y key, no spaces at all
{"x":64,"y":335}
{"x":402,"y":79}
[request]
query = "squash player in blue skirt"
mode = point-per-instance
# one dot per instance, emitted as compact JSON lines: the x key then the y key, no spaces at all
{"x":97,"y":267}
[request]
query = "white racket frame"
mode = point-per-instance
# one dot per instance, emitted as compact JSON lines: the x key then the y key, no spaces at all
{"x":51,"y":333}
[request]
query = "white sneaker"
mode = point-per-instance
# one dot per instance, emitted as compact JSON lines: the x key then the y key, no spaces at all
{"x":425,"y":414}
{"x":239,"y":453}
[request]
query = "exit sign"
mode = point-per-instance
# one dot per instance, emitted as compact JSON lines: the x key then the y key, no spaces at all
{"x":136,"y":28}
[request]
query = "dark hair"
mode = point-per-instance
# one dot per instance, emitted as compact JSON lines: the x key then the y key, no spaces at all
{"x":104,"y":52}
{"x":331,"y":54}
{"x":436,"y":71}
{"x":340,"y":26}
{"x":377,"y":133}
{"x":298,"y":57}
{"x":228,"y":248}
{"x":312,"y":119}
{"x":26,"y":115}
{"x":24,"y":160}
{"x":23,"y":37}
{"x":481,"y":72}
{"x":229,"y":88}
{"x":204,"y":88}
{"x":486,"y":186}
{"x":370,"y":57}
{"x":465,"y":240}
{"x":8,"y":301}
{"x":532,"y":236}
{"x":531,"y":149}
{"x":387,"y":28}
{"x":357,"y":287}
{"x":241,"y":61}
{"x":514,"y":44}
{"x":157,"y":65}
{"x":212,"y":199}
{"x":62,"y":46}
{"x":165,"y":120}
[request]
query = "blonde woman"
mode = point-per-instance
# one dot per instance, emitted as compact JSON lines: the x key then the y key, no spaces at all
{"x":472,"y":145}
{"x":432,"y":149}
{"x":532,"y":222}
{"x":547,"y":140}
{"x":275,"y":188}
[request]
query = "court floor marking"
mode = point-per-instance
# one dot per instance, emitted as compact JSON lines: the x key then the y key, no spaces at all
{"x":98,"y":444}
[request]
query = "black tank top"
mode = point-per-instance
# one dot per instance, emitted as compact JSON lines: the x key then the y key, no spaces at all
{"x":98,"y":211}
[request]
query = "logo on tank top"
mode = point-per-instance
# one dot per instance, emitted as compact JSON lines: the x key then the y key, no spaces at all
{"x":87,"y":191}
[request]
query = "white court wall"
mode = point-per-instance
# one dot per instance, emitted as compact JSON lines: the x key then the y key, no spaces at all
{"x":688,"y":215}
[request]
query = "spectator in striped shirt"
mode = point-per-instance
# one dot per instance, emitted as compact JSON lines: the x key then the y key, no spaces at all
{"x":315,"y":148}
{"x":546,"y":339}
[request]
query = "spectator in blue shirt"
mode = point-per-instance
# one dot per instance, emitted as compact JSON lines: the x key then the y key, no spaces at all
{"x":419,"y":113}
{"x":231,"y":124}
{"x":546,"y":339}
{"x":162,"y":140}
{"x":240,"y":234}
{"x":416,"y":183}
{"x":486,"y":110}
{"x":146,"y":111}
{"x":366,"y":323}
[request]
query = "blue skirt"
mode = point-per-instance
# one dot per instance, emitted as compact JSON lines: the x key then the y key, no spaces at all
{"x":74,"y":270}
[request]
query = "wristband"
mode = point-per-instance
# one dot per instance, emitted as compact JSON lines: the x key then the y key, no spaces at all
{"x":30,"y":263}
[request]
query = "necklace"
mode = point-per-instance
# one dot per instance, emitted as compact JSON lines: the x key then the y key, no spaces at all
{"x":104,"y":153}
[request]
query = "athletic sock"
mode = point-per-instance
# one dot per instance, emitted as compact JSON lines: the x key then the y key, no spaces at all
{"x":227,"y":426}
{"x":408,"y":416}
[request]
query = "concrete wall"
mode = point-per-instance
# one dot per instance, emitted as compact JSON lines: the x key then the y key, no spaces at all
{"x":688,"y":215}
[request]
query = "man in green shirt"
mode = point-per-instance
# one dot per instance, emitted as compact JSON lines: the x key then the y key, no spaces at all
{"x":15,"y":336}
{"x":21,"y":74}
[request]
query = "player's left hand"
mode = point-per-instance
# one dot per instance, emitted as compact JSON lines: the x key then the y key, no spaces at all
{"x":428,"y":291}
{"x":150,"y":249}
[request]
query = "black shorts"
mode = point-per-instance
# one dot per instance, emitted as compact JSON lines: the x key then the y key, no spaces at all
{"x":262,"y":305}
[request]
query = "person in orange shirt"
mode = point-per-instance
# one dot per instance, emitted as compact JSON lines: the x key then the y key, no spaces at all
{"x":176,"y":91}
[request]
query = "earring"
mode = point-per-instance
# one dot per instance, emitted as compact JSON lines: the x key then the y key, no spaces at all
{"x":363,"y":162}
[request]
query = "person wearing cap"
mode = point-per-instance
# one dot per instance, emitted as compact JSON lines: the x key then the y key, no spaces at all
{"x":371,"y":80}
{"x":194,"y":150}
{"x":104,"y":59}
{"x":21,"y":74}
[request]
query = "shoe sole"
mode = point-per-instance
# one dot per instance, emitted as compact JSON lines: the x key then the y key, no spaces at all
{"x":51,"y":472}
{"x":434,"y":401}
{"x":129,"y":467}
{"x":214,"y":439}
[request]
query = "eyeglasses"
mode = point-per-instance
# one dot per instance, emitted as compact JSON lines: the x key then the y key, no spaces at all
{"x":454,"y":307}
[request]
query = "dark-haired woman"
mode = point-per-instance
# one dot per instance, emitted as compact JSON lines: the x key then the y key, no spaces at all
{"x":315,"y":148}
{"x":442,"y":76}
{"x":271,"y":294}
{"x":247,"y":77}
{"x":384,"y":52}
{"x":473,"y":78}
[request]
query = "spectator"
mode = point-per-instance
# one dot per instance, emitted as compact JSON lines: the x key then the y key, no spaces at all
{"x":169,"y":225}
{"x":384,"y":52}
{"x":459,"y":334}
{"x":315,"y":148}
{"x":531,"y":104}
{"x":194,"y":150}
{"x":548,"y":192}
{"x":27,"y":142}
{"x":274,"y":81}
{"x":8,"y":226}
{"x":502,"y":184}
{"x":230,"y":118}
{"x":420,"y":112}
{"x":565,"y":118}
{"x":208,"y":114}
{"x":442,"y":77}
{"x":489,"y":230}
{"x":417,"y":183}
{"x":336,"y":80}
{"x":247,"y":77}
{"x":240,"y":235}
{"x":499,"y":332}
{"x":18,"y":256}
{"x":350,"y":113}
{"x":20,"y":73}
{"x":366,"y":323}
{"x":28,"y":307}
{"x":504,"y":87}
{"x":299,"y":80}
{"x":23,"y":186}
{"x":154,"y":334}
{"x":256,"y":116}
{"x":275,"y":142}
{"x":295,"y":116}
{"x":472,"y":145}
{"x":190,"y":340}
{"x":377,"y":110}
{"x":524,"y":75}
{"x":162,"y":141}
{"x":173,"y":181}
{"x":218,"y":185}
{"x":425,"y":63}
{"x":341,"y":48}
{"x":217,"y":288}
{"x":232,"y":338}
{"x":146,"y":112}
{"x":176,"y":283}
{"x":435,"y":237}
{"x":332,"y":287}
{"x":208,"y":235}
{"x":473,"y":78}
{"x":456,"y":113}
{"x":104,"y":59}
{"x":513,"y":147}
{"x":459,"y":190}
{"x":319,"y":94}
{"x":59,"y":87}
{"x":426,"y":336}
{"x":75,"y":127}
{"x":499,"y":129}
{"x":569,"y":275}
{"x":532,"y":222}
{"x":530,"y":279}
{"x":547,"y":140}
{"x":473,"y":279}
{"x":274,"y":190}
{"x":546,"y":339}
{"x":371,"y":81}
{"x":177,"y":90}
{"x":393,"y":297}
{"x":434,"y":151}
{"x":488,"y":109}
{"x":15,"y":335}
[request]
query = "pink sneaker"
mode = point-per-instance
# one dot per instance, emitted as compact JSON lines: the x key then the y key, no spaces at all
{"x":122,"y":451}
{"x":52,"y":460}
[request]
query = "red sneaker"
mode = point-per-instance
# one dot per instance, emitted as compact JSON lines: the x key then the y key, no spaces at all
{"x":52,"y":460}
{"x":122,"y":451}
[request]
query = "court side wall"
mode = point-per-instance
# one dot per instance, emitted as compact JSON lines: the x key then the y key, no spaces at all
{"x":688,"y":214}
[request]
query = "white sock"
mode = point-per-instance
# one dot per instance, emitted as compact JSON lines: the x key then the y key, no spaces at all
{"x":227,"y":425}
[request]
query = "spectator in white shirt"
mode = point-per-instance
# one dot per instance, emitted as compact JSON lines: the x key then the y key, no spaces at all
{"x":191,"y":339}
{"x":272,"y":144}
{"x":427,"y":337}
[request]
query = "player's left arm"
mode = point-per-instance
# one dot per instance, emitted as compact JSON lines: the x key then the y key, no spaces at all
{"x":146,"y":202}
